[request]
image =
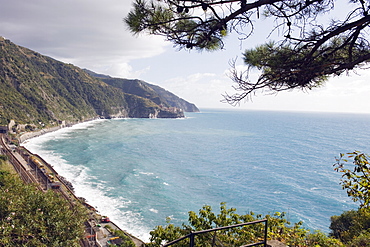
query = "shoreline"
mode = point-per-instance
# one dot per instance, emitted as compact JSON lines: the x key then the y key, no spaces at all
{"x":22,"y":138}
{"x":31,"y":134}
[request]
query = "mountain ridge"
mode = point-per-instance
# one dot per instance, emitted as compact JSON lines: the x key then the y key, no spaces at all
{"x":41,"y":91}
{"x":157,"y":94}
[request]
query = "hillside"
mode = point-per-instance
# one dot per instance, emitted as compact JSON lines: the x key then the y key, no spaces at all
{"x":39,"y":90}
{"x":141,"y":88}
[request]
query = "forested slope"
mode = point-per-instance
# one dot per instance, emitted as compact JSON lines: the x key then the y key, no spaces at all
{"x":39,"y":90}
{"x":157,"y":94}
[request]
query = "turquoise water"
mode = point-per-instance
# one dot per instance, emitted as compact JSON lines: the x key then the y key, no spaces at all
{"x":140,"y":171}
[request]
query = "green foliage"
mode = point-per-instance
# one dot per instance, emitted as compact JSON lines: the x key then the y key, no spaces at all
{"x":146,"y":90}
{"x":137,"y":87}
{"x":356,"y":179}
{"x":29,"y":217}
{"x":174,"y":22}
{"x":3,"y":175}
{"x":29,"y":127}
{"x":319,"y":239}
{"x":279,"y":228}
{"x":3,"y":120}
{"x":37,"y":89}
{"x":305,"y":53}
{"x":363,"y":240}
{"x":109,"y":228}
{"x":350,"y":225}
{"x":3,"y":157}
{"x":127,"y":242}
{"x":158,"y":15}
{"x":353,"y":227}
{"x":34,"y":89}
{"x":286,"y":67}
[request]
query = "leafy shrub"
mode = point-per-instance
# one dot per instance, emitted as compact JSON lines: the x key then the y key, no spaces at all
{"x":127,"y":242}
{"x":3,"y":158}
{"x":29,"y":217}
{"x":363,"y":240}
{"x":350,"y":224}
{"x":319,"y":239}
{"x":279,"y":228}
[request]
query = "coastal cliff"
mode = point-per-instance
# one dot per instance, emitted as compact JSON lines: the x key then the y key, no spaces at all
{"x":158,"y":95}
{"x":38,"y":91}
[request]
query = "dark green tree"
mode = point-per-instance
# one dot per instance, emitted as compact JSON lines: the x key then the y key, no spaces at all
{"x":29,"y":217}
{"x":304,"y":56}
{"x":351,"y":225}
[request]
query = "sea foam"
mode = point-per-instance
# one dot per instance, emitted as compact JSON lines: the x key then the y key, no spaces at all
{"x":140,"y":171}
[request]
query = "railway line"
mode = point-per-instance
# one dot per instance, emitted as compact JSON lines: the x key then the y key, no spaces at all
{"x":32,"y":169}
{"x":21,"y":167}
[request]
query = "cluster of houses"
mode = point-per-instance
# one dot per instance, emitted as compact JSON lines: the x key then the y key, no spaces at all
{"x":170,"y":109}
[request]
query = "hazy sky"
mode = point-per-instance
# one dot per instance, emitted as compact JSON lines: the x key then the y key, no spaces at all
{"x":91,"y":34}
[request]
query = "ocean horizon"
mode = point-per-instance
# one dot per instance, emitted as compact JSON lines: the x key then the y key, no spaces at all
{"x":141,"y":171}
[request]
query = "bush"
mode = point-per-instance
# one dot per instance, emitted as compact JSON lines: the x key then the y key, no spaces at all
{"x":363,"y":240}
{"x":29,"y":217}
{"x":3,"y":158}
{"x":279,"y":228}
{"x":127,"y":242}
{"x":320,"y":239}
{"x":350,"y":224}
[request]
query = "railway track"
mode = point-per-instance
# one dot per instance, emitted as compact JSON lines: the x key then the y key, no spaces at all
{"x":30,"y":173}
{"x":21,"y":168}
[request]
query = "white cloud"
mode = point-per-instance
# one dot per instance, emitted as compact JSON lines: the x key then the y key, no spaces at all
{"x":86,"y":33}
{"x":203,"y":89}
{"x":120,"y":70}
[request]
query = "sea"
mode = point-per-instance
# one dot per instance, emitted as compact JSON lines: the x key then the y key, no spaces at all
{"x":142,"y":172}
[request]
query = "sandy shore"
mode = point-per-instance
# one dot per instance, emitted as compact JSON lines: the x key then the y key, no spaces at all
{"x":28,"y":135}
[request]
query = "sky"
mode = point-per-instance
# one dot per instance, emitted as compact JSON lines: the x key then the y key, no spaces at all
{"x":91,"y":34}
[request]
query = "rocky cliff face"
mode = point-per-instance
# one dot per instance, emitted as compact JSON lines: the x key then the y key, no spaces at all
{"x":37,"y":89}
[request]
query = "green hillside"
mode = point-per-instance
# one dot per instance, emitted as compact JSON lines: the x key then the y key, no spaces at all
{"x":141,"y":88}
{"x":39,"y":90}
